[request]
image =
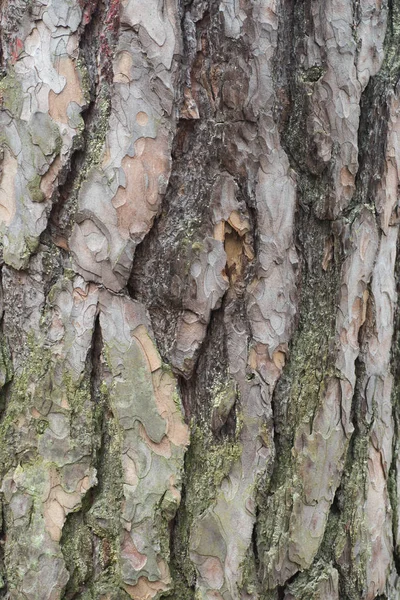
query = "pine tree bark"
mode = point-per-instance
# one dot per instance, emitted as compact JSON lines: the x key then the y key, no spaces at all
{"x":199,"y":340}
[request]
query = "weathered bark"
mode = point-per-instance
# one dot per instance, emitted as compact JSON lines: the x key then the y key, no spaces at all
{"x":199,"y":340}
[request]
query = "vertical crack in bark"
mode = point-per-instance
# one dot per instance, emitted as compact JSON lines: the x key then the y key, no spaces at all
{"x":210,"y":454}
{"x":95,"y":119}
{"x":389,"y":78}
{"x":394,"y":474}
{"x":76,"y":542}
{"x":184,"y":589}
{"x":3,"y":536}
{"x":356,"y":572}
{"x":314,"y":180}
{"x":6,"y":365}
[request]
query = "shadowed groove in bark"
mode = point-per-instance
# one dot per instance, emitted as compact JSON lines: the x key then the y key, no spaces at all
{"x":210,"y":454}
{"x":395,"y":367}
{"x":6,"y":368}
{"x":308,"y":190}
{"x":95,"y":118}
{"x":155,"y":256}
{"x":310,"y":362}
{"x":343,"y":521}
{"x":299,"y":389}
{"x":3,"y":535}
{"x":372,"y":135}
{"x":91,"y":536}
{"x":374,"y":120}
{"x":91,"y":539}
{"x":183,"y":589}
{"x":390,"y":76}
{"x":76,"y":542}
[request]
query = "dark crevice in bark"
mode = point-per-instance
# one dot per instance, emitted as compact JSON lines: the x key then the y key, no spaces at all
{"x":352,"y":576}
{"x":253,"y":550}
{"x":216,"y":366}
{"x":310,"y":364}
{"x":183,"y":588}
{"x":185,"y":392}
{"x":207,"y":458}
{"x":311,"y":353}
{"x":345,"y":526}
{"x":90,"y":537}
{"x":389,"y":75}
{"x":76,"y":542}
{"x":3,"y":537}
{"x":316,"y":314}
{"x":280,"y":591}
{"x":96,"y":361}
{"x":372,"y":142}
{"x":3,"y":69}
{"x":374,"y":119}
{"x":164,"y":256}
{"x":284,"y":63}
{"x":6,"y":366}
{"x":393,"y":471}
{"x":294,"y":87}
{"x":103,"y":520}
{"x":90,"y":540}
{"x":199,"y":156}
{"x":145,"y":253}
{"x":89,"y":145}
{"x":4,"y":393}
{"x":392,"y":59}
{"x":76,"y":545}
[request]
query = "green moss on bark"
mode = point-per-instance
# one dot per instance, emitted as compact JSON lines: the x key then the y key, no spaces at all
{"x":19,"y":399}
{"x":11,"y":97}
{"x":35,"y":192}
{"x":208,"y":461}
{"x":77,"y":547}
{"x":91,"y":539}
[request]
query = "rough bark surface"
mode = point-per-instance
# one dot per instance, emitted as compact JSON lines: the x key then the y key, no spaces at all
{"x":199,"y":338}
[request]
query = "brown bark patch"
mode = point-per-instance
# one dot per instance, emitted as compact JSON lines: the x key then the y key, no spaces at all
{"x":72,"y":92}
{"x":137,"y":202}
{"x":7,"y":188}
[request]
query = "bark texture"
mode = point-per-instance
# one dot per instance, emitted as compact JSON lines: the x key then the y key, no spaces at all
{"x":199,"y":338}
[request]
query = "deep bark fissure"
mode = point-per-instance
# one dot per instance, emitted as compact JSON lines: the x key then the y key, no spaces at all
{"x":3,"y":537}
{"x":94,"y":116}
{"x":393,"y":473}
{"x":89,"y":542}
{"x":75,"y":521}
{"x":305,"y":185}
{"x":183,"y":587}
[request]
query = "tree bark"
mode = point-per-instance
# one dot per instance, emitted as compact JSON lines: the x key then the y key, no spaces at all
{"x":199,"y":341}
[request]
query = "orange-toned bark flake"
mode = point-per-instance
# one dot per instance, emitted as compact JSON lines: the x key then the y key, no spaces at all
{"x":72,"y":92}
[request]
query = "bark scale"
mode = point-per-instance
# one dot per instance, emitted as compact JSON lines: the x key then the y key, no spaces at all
{"x":200,"y":327}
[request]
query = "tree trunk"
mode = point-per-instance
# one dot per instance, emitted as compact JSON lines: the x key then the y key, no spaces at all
{"x":199,"y":345}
